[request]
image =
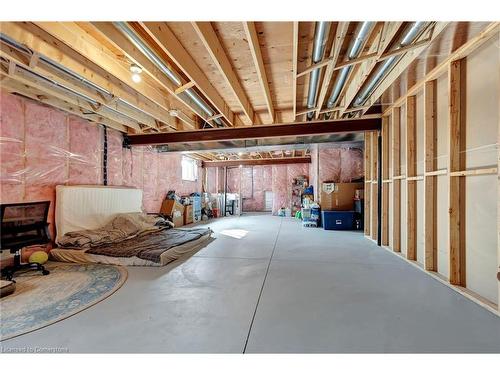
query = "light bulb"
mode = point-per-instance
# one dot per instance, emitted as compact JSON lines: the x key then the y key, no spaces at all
{"x":136,"y":78}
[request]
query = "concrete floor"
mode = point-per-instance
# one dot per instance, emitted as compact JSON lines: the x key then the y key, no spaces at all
{"x":281,"y":288}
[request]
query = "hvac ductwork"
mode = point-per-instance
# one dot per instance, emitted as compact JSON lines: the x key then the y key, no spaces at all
{"x":174,"y":77}
{"x":415,"y":30}
{"x":318,"y":51}
{"x":354,"y":51}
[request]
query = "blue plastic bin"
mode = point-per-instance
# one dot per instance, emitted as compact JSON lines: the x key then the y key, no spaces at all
{"x":338,"y":220}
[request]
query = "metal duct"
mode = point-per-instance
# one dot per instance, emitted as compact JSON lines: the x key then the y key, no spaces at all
{"x":416,"y":29}
{"x":174,"y":77}
{"x":354,"y":52}
{"x":318,"y":51}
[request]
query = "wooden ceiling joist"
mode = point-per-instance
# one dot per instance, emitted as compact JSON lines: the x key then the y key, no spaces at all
{"x":243,"y":162}
{"x":260,"y":131}
{"x":295,"y":52}
{"x":209,"y":38}
{"x":253,"y":43}
{"x":169,"y":44}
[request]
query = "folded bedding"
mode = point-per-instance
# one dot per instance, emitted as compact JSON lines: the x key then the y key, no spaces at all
{"x":122,"y":227}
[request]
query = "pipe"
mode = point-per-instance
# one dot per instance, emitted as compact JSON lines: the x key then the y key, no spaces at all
{"x":153,"y":57}
{"x":318,"y":51}
{"x":354,"y":52}
{"x":409,"y":37}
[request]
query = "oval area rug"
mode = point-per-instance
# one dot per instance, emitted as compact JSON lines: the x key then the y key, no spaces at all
{"x":39,"y":301}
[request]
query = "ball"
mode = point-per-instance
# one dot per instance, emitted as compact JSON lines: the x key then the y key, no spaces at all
{"x":39,"y":257}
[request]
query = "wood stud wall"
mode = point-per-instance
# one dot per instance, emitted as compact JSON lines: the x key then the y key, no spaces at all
{"x":456,"y":173}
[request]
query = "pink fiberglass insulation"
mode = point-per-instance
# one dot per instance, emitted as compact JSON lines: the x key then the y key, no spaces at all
{"x":170,"y":173}
{"x":151,"y":199}
{"x":352,"y":164}
{"x":86,"y":149}
{"x":280,"y":187}
{"x":136,"y":172}
{"x":233,"y":180}
{"x":262,"y":181}
{"x":211,"y":180}
{"x":11,"y":139}
{"x":340,"y":164}
{"x":46,"y":145}
{"x":115,"y":158}
{"x":247,"y":182}
{"x":313,"y":170}
{"x":127,"y":167}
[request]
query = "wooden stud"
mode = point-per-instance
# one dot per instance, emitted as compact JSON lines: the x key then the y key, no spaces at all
{"x":396,"y":183}
{"x":374,"y":190}
{"x":367,"y":167}
{"x":385,"y":177}
{"x":430,"y":181}
{"x":411,"y":168}
{"x":295,"y":52}
{"x":184,"y":87}
{"x":253,"y":43}
{"x":457,"y":118}
{"x":475,"y":172}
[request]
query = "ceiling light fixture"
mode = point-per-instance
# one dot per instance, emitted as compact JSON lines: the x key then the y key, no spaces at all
{"x":240,"y":153}
{"x":173,"y":113}
{"x":136,"y":73}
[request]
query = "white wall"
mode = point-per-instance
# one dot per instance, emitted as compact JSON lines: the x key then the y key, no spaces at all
{"x":483,"y":99}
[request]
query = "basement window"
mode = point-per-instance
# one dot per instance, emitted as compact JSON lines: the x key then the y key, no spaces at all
{"x":189,"y":169}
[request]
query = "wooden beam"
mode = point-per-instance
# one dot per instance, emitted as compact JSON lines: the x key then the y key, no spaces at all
{"x":10,"y":85}
{"x":457,"y":119}
{"x":374,"y":189}
{"x":368,"y":185}
{"x":404,"y":49}
{"x":430,"y":181}
{"x":487,"y":33}
{"x":184,"y":87}
{"x":272,"y":161}
{"x":169,"y":44}
{"x":254,"y":45}
{"x":411,"y":169}
{"x":340,"y":35}
{"x":385,"y":186}
{"x":475,"y":172}
{"x":396,"y":183}
{"x":66,"y":44}
{"x":215,"y":49}
{"x":295,"y":51}
{"x":260,"y":131}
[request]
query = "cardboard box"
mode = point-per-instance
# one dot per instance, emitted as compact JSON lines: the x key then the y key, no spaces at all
{"x":169,"y":206}
{"x":173,"y":210}
{"x":339,"y":196}
{"x":188,"y":214}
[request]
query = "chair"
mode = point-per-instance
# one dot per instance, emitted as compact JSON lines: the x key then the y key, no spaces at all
{"x":23,"y":224}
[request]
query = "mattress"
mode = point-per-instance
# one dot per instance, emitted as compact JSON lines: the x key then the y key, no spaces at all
{"x":80,"y":256}
{"x":82,"y":207}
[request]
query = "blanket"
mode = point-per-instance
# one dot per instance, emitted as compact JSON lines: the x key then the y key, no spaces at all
{"x":122,"y":227}
{"x":150,"y":246}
